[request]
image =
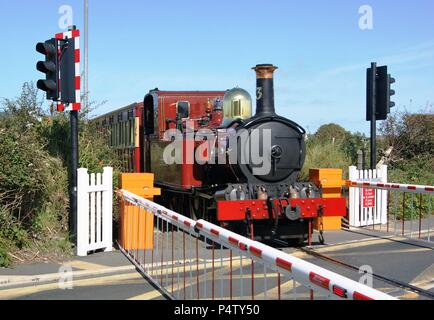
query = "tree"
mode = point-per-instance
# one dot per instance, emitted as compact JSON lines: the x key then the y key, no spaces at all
{"x":331,"y":133}
{"x":411,"y":135}
{"x":353,"y":143}
{"x":348,"y":142}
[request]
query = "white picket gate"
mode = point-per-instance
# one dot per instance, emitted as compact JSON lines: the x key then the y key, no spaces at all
{"x":95,"y":211}
{"x":359,"y":215}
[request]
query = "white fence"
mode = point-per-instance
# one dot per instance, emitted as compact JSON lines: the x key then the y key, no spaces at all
{"x":368,"y":206}
{"x":95,"y":211}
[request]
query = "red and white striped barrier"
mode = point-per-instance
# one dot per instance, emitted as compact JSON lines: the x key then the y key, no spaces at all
{"x":305,"y":273}
{"x":315,"y":278}
{"x":174,"y":218}
{"x":392,"y":187}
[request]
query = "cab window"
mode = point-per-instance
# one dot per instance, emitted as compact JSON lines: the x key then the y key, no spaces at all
{"x":183,"y":109}
{"x":149,"y":121}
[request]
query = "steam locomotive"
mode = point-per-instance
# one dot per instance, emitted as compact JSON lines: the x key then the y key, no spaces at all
{"x":215,"y":174}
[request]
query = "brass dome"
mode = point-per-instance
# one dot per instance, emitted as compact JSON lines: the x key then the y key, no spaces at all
{"x":237,"y":104}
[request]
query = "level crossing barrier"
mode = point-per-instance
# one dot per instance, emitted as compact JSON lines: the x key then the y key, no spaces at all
{"x":197,"y":260}
{"x":408,"y":208}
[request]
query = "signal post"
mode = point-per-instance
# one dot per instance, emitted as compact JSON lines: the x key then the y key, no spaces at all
{"x":62,"y":86}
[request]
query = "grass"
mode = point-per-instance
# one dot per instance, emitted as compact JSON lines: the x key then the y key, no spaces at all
{"x":325,"y":155}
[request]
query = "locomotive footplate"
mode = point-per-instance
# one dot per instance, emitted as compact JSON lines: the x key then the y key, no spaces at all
{"x":302,"y":209}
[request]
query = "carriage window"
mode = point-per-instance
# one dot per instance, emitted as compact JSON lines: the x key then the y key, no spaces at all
{"x":131,"y":114}
{"x":183,"y":109}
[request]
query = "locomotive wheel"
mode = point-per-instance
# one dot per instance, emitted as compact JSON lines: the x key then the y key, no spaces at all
{"x":164,"y":199}
{"x":174,"y":204}
{"x":296,"y":243}
{"x":196,"y":208}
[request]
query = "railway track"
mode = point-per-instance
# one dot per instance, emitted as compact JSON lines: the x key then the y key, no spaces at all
{"x":396,"y":283}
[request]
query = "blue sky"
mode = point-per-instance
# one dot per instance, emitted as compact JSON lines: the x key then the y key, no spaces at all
{"x":322,"y":53}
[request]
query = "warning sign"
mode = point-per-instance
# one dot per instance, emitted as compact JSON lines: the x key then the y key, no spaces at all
{"x":368,"y":198}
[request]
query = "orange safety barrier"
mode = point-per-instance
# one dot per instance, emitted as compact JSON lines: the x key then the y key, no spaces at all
{"x":330,"y":180}
{"x":137,"y":225}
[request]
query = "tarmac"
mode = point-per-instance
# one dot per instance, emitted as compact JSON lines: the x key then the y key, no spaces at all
{"x":110,"y":276}
{"x":101,"y":276}
{"x":400,"y":259}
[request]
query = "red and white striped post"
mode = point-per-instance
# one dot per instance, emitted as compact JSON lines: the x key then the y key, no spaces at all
{"x":76,"y":104}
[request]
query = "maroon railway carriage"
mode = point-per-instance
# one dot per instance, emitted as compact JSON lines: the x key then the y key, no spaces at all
{"x":125,"y":135}
{"x":269,"y":205}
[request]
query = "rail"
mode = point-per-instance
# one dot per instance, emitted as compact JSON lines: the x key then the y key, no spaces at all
{"x":197,"y":260}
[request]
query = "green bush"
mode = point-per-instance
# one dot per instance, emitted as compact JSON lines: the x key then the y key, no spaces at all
{"x":324,"y":155}
{"x":34,"y":173}
{"x":411,"y":137}
{"x":4,"y":257}
{"x":332,"y":147}
{"x":410,"y":134}
{"x":410,"y":206}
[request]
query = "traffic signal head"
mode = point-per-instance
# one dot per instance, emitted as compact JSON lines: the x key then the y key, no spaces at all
{"x":391,"y":92}
{"x":47,"y":48}
{"x":50,"y":67}
{"x":384,"y":93}
{"x":379,"y":92}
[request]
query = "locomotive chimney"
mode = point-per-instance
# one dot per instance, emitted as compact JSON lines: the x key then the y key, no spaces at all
{"x":264,"y":89}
